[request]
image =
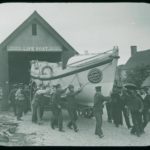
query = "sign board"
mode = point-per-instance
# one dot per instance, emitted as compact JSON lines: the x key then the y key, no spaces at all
{"x":33,"y":48}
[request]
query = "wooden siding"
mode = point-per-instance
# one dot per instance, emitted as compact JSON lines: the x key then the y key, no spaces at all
{"x":26,"y":40}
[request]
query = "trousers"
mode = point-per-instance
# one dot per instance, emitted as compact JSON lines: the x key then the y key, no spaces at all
{"x":14,"y":107}
{"x":19,"y":108}
{"x":126,"y":116}
{"x":57,"y":119}
{"x":37,"y":112}
{"x":109,"y":111}
{"x":146,"y":117}
{"x":137,"y":122}
{"x":98,"y":128}
{"x":73,"y":117}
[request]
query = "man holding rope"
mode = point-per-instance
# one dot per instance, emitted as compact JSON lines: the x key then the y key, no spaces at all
{"x":72,"y":107}
{"x":57,"y":108}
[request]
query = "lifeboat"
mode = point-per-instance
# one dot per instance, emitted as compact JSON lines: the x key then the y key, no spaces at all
{"x":88,"y":71}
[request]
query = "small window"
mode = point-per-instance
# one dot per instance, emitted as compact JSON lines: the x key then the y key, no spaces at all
{"x":34,"y":29}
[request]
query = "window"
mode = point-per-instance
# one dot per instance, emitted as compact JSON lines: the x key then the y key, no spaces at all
{"x":34,"y":29}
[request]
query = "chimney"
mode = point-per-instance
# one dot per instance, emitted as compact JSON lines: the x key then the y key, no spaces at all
{"x":133,"y":50}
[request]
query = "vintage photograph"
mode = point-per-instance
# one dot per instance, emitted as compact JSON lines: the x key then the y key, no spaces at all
{"x":74,"y":74}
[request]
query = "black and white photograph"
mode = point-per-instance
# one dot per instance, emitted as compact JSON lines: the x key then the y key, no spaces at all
{"x":74,"y":74}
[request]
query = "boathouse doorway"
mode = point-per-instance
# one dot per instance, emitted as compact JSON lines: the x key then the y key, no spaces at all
{"x":19,"y":64}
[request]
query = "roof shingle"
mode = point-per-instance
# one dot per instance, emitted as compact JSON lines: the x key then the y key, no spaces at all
{"x":138,"y":59}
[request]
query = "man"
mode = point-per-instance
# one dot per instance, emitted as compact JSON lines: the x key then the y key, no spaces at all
{"x":109,"y":110}
{"x":98,"y":111}
{"x":72,"y":107}
{"x":54,"y":121}
{"x":12,"y":100}
{"x":136,"y":107}
{"x":146,"y":110}
{"x":27,"y":99}
{"x":57,"y":108}
{"x":20,"y":97}
{"x":141,"y":94}
{"x":116,"y":107}
{"x":37,"y":107}
{"x":125,"y":109}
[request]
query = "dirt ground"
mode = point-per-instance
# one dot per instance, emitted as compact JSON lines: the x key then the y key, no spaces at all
{"x":30,"y":134}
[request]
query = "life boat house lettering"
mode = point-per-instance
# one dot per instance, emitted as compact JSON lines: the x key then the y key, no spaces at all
{"x":34,"y":39}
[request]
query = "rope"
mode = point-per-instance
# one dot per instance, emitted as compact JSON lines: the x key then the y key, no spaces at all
{"x":73,"y":79}
{"x":78,"y":80}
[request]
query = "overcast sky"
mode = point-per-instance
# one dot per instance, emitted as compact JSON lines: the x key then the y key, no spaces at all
{"x":95,"y":27}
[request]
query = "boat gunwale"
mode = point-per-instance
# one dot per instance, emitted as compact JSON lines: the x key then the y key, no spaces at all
{"x":110,"y":59}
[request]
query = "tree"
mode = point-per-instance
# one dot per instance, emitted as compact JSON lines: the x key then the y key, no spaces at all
{"x":137,"y":75}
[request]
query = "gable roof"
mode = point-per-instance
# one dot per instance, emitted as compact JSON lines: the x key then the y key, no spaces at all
{"x":138,"y":59}
{"x":49,"y":28}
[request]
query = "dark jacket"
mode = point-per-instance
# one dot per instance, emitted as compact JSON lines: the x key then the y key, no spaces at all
{"x":117,"y":101}
{"x":12,"y":95}
{"x":71,"y":98}
{"x":134,"y":102}
{"x":56,"y":98}
{"x":146,"y":102}
{"x":98,"y":102}
{"x":19,"y":95}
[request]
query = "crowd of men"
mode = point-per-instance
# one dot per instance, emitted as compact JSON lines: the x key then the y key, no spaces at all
{"x":131,"y":103}
{"x":20,"y":95}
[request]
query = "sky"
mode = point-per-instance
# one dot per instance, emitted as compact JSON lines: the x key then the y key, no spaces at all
{"x":92,"y":27}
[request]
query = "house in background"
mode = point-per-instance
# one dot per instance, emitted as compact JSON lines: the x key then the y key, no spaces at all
{"x":138,"y":58}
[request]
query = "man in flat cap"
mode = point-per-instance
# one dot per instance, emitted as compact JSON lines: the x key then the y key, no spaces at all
{"x":146,"y":109}
{"x":27,"y":105}
{"x":12,"y":100}
{"x":125,"y":110}
{"x":72,"y":107}
{"x":20,"y":98}
{"x":38,"y":105}
{"x":117,"y":106}
{"x":57,"y":108}
{"x":135,"y":106}
{"x":98,"y":110}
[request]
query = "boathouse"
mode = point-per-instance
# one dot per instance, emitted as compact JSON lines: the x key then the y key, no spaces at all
{"x":34,"y":39}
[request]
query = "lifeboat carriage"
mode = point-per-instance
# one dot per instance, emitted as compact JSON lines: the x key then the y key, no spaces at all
{"x":87,"y":70}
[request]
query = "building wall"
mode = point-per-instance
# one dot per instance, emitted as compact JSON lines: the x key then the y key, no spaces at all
{"x":120,"y":75}
{"x":42,"y":39}
{"x":4,"y":78}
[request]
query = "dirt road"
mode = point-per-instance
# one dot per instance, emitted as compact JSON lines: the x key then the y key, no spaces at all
{"x":39,"y":135}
